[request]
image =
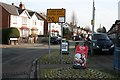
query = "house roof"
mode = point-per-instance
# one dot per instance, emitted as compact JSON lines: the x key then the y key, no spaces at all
{"x":14,"y":10}
{"x":31,"y":13}
{"x":9,"y":8}
{"x":43,"y":17}
{"x":19,"y":10}
{"x":39,"y":17}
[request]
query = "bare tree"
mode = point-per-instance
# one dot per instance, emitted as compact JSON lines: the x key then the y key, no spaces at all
{"x":73,"y":22}
{"x":104,"y":29}
{"x":87,"y":28}
{"x":74,"y":19}
{"x":101,"y":30}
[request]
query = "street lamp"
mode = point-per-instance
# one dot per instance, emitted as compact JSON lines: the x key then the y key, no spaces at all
{"x":92,"y":23}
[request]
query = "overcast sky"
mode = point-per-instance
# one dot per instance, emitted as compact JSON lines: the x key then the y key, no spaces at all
{"x":106,"y":10}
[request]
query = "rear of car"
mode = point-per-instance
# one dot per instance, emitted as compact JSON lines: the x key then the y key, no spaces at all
{"x":55,"y":40}
{"x":102,"y":44}
{"x":76,"y":38}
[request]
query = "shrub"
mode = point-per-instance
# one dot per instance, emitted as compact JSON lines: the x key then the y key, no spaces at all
{"x":5,"y":33}
{"x":14,"y":33}
{"x":43,"y":35}
{"x":45,"y":40}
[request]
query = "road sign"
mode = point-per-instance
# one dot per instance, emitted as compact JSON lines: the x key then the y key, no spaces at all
{"x":55,"y":15}
{"x":92,"y":22}
{"x":80,"y":56}
{"x":65,"y":47}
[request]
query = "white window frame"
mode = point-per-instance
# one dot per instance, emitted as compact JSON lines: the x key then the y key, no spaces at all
{"x":24,"y":20}
{"x":34,"y":22}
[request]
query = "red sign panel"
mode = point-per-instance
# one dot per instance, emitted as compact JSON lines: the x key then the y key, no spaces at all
{"x":81,"y":55}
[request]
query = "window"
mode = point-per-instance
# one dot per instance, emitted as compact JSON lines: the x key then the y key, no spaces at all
{"x":24,"y":33}
{"x":24,"y":20}
{"x":34,"y":22}
{"x":100,"y":36}
{"x":53,"y":34}
{"x":52,"y":26}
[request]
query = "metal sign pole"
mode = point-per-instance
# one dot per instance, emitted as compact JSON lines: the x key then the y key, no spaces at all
{"x":93,"y":22}
{"x":56,"y":16}
{"x":49,"y":41}
{"x":61,"y":42}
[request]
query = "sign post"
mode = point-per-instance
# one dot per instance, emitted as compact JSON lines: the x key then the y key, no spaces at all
{"x":65,"y":47}
{"x":49,"y":41}
{"x":93,"y":23}
{"x":80,"y":57}
{"x":61,"y":43}
{"x":56,"y":16}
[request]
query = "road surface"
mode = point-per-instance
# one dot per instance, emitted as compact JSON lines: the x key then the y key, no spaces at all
{"x":16,"y":62}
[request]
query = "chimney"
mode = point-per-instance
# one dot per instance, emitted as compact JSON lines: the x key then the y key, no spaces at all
{"x":12,"y":3}
{"x":21,"y":5}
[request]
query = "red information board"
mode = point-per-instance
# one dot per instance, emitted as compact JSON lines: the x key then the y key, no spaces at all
{"x":81,"y":55}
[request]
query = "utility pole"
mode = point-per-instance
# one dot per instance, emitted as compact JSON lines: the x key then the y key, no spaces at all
{"x":61,"y":44}
{"x":93,"y":23}
{"x":49,"y":42}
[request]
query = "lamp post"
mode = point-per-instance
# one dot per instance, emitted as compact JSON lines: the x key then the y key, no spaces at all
{"x":93,"y":23}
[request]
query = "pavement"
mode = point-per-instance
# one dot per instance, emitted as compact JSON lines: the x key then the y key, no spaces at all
{"x":35,"y":45}
{"x":23,"y":45}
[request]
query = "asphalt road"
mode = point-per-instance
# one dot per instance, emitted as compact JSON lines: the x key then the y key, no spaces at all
{"x":17,"y":59}
{"x":16,"y":62}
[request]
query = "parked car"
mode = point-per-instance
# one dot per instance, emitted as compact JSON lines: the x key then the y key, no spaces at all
{"x":75,"y":38}
{"x":102,"y":44}
{"x":55,"y":40}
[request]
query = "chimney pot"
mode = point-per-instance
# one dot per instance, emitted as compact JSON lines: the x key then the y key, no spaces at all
{"x":21,"y":5}
{"x":12,"y":3}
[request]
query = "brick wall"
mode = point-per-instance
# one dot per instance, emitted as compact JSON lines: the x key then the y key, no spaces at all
{"x":5,"y":19}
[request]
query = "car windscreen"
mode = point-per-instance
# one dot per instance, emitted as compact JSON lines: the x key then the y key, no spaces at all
{"x":100,"y":37}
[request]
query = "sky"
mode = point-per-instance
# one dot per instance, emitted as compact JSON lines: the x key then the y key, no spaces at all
{"x":106,"y":12}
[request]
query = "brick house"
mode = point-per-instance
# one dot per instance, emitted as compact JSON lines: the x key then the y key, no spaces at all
{"x":23,"y":21}
{"x":114,"y":32}
{"x":55,"y":29}
{"x":44,"y":17}
{"x":27,"y":21}
{"x":9,"y":15}
{"x":32,"y":23}
{"x":115,"y":29}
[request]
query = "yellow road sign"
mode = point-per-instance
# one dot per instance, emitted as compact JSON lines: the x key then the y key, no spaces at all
{"x":55,"y":15}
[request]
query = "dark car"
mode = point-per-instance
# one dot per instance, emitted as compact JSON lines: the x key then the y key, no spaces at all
{"x":55,"y":40}
{"x":102,"y":44}
{"x":75,"y":38}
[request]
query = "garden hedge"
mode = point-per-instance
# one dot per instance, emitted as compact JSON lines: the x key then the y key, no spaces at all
{"x":5,"y":33}
{"x":9,"y":33}
{"x":14,"y":33}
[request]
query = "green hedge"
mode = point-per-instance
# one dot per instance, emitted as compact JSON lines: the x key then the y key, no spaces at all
{"x":14,"y":33}
{"x":5,"y":33}
{"x":9,"y":33}
{"x":43,"y":35}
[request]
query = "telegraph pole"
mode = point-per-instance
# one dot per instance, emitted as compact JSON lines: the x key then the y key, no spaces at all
{"x":93,"y":23}
{"x":49,"y":41}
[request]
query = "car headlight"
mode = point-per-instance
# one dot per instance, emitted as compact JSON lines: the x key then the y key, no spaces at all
{"x":112,"y":46}
{"x":97,"y":46}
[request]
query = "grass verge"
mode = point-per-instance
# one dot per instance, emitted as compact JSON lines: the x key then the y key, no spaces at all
{"x":70,"y":73}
